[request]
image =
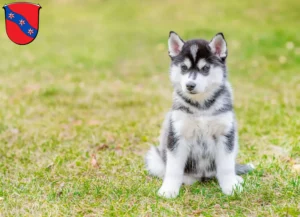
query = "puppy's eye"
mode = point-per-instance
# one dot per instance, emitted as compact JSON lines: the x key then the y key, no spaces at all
{"x":184,"y":68}
{"x":205,"y":69}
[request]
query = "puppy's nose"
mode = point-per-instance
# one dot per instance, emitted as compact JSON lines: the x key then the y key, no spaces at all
{"x":190,"y":85}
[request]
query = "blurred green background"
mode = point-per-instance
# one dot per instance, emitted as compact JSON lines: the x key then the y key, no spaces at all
{"x":95,"y":83}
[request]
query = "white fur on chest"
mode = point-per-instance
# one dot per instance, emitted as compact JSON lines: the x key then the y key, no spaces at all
{"x":192,"y":126}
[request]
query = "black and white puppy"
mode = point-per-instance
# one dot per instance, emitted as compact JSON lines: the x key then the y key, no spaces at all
{"x":199,"y":137}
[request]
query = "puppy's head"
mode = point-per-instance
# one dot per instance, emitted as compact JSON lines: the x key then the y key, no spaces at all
{"x":197,"y":66}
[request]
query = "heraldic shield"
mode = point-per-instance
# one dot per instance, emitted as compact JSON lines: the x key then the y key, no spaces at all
{"x":22,"y":21}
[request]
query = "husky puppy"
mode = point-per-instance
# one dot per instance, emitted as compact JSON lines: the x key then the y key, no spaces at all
{"x":199,"y":137}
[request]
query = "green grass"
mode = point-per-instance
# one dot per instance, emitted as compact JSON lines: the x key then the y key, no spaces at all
{"x":95,"y":81}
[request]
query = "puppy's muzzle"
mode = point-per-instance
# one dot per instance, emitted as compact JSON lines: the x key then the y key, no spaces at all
{"x":190,"y":86}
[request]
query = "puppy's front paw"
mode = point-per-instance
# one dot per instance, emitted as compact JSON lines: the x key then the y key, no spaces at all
{"x":168,"y":192}
{"x":231,"y":185}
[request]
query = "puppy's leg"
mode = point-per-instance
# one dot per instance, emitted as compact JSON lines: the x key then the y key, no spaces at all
{"x":225,"y":162}
{"x":176,"y":160}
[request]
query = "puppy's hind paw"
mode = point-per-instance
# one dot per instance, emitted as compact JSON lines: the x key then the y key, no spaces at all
{"x":240,"y":179}
{"x":188,"y":180}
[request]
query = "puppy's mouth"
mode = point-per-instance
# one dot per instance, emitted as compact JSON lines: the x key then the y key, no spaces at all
{"x":192,"y":92}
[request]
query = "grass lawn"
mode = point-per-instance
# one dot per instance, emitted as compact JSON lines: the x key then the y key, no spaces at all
{"x":95,"y":83}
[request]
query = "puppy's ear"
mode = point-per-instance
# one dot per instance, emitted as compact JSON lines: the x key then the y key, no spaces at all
{"x":175,"y":44}
{"x":218,"y":46}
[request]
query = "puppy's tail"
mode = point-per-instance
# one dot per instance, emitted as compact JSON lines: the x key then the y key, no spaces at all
{"x":243,"y":168}
{"x":154,"y":162}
